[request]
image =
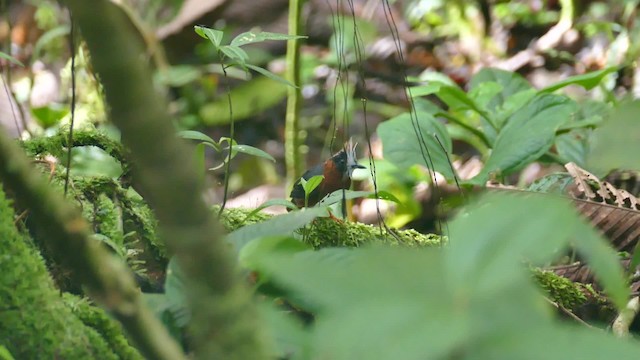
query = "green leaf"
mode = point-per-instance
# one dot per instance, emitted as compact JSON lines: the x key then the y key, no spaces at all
{"x":331,"y":278}
{"x":385,"y":195}
{"x":512,"y":104}
{"x":50,"y":115}
{"x":179,"y":75}
{"x":311,"y":184}
{"x":250,"y":150}
{"x":10,"y":58}
{"x":284,"y":224}
{"x":402,"y":147}
{"x":528,"y":134}
{"x":5,"y":354}
{"x":588,"y":81}
{"x":249,"y":99}
{"x":200,"y":161}
{"x":604,"y":262}
{"x":513,"y":227}
{"x":175,"y":293}
{"x":290,"y":336}
{"x":616,"y":144}
{"x":208,"y":33}
{"x":272,"y":202}
{"x":251,"y":37}
{"x":260,"y":247}
{"x":270,"y":75}
{"x":337,"y":196}
{"x":473,"y":297}
{"x":47,"y":37}
{"x":236,"y":54}
{"x":350,"y":289}
{"x":484,"y":93}
{"x":197,"y":135}
{"x":511,"y":83}
{"x":573,"y":146}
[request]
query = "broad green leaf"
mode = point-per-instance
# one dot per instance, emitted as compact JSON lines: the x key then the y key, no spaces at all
{"x":402,"y":291}
{"x":290,"y":336}
{"x":176,"y":293}
{"x":512,"y":104}
{"x":616,"y":144}
{"x":254,"y":37}
{"x":587,"y":81}
{"x":331,"y":278}
{"x":473,"y":298}
{"x":558,"y":342}
{"x":10,"y":58}
{"x":284,"y":224}
{"x":479,"y":259}
{"x":573,"y":146}
{"x":528,"y":134}
{"x":592,"y":121}
{"x":197,"y":135}
{"x":403,"y":147}
{"x":511,"y":83}
{"x":387,"y":327}
{"x":424,"y":90}
{"x":270,"y":75}
{"x":261,"y":247}
{"x":453,"y":96}
{"x":248,"y":99}
{"x":429,"y":76}
{"x":208,"y":33}
{"x":484,"y":93}
{"x":489,"y":240}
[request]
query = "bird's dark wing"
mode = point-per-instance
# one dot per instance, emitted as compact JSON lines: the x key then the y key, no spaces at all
{"x":298,"y":192}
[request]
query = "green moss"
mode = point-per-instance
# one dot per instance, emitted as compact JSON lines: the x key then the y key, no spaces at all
{"x":235,"y":218}
{"x":56,"y":145}
{"x":325,"y":232}
{"x":562,"y":290}
{"x":110,"y":330}
{"x":108,"y":220}
{"x":36,"y":323}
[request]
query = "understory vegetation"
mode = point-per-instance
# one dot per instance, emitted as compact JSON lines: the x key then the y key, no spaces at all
{"x":149,"y":148}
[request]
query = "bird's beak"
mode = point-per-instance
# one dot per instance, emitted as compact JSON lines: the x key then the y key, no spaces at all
{"x":358,"y":166}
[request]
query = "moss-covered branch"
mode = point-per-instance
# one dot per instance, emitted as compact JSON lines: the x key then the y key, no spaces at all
{"x":325,"y":232}
{"x":36,"y":321}
{"x":225,"y":323}
{"x":56,"y":145}
{"x":107,"y":279}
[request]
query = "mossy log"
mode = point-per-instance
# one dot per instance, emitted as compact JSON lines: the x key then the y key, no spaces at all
{"x":37,"y":323}
{"x":326,"y":232}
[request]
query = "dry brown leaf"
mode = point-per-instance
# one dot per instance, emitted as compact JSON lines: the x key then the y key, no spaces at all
{"x":613,"y":211}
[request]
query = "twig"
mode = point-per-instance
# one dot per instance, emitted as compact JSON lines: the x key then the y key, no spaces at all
{"x":232,"y":135}
{"x":73,"y":104}
{"x":569,"y":313}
